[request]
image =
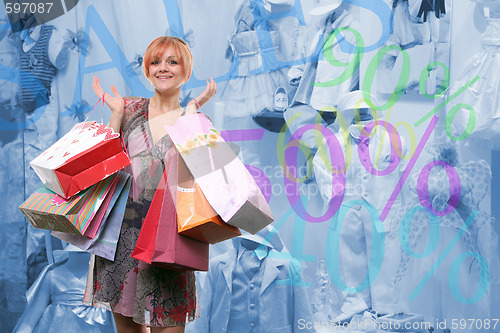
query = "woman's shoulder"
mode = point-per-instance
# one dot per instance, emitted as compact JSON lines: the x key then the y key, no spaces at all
{"x":133,"y":106}
{"x":134,"y":101}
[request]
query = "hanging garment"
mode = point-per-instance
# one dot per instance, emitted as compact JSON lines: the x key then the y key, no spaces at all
{"x":438,"y":233}
{"x":484,"y":95}
{"x":55,"y":299}
{"x":37,"y":72}
{"x":322,"y":71}
{"x":248,"y":92}
{"x":359,"y":229}
{"x":405,"y":32}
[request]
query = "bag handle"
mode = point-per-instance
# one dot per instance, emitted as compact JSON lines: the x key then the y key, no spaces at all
{"x":209,"y":151}
{"x":121,"y":132}
{"x":199,"y":106}
{"x":201,"y":111}
{"x":95,"y":106}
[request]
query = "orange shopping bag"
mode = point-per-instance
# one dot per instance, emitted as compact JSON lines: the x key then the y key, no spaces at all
{"x":195,"y":216}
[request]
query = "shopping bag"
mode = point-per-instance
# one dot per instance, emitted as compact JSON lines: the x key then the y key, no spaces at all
{"x":160,"y":244}
{"x":198,"y":220}
{"x":88,"y":153}
{"x":105,"y":242}
{"x":80,"y":214}
{"x":195,"y":217}
{"x":225,"y":181}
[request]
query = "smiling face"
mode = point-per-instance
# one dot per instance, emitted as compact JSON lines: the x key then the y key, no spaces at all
{"x":167,"y":63}
{"x":167,"y":71}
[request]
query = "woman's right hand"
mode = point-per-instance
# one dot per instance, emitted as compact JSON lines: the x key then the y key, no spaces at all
{"x":115,"y":103}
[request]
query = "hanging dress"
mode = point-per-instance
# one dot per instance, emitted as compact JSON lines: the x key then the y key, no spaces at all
{"x":426,"y":242}
{"x":248,"y":91}
{"x":484,"y":94}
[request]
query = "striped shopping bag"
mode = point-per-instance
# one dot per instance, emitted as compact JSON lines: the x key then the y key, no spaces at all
{"x":80,"y":214}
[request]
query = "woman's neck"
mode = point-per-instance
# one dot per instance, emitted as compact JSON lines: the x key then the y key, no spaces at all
{"x":164,"y":103}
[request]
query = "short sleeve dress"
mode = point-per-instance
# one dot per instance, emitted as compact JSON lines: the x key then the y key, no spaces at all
{"x":151,"y":295}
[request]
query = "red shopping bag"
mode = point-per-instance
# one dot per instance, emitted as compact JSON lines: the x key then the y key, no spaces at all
{"x":160,"y":244}
{"x":81,"y":214}
{"x":88,"y":153}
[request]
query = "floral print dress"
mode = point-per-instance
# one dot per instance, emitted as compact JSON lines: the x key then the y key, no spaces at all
{"x":151,"y":295}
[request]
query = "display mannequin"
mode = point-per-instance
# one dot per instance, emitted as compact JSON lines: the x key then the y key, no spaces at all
{"x":250,"y":289}
{"x":483,"y":96}
{"x":55,"y":299}
{"x":309,"y":99}
{"x":360,"y":231}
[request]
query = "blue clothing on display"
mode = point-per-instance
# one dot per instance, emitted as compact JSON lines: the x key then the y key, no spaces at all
{"x":480,"y":237}
{"x":55,"y":299}
{"x":249,"y":92}
{"x":309,"y":98}
{"x":483,"y":95}
{"x":321,"y":70}
{"x":359,"y":233}
{"x":405,"y":32}
{"x":37,"y":67}
{"x":424,"y":43}
{"x":238,"y":298}
{"x":244,"y":312}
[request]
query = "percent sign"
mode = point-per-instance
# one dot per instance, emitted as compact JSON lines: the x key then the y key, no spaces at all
{"x":414,"y":157}
{"x":454,"y":199}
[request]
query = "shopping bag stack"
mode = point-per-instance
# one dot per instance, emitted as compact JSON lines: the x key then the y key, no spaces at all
{"x":88,"y":153}
{"x":180,"y":223}
{"x":223,"y":179}
{"x":213,"y":195}
{"x":84,"y":193}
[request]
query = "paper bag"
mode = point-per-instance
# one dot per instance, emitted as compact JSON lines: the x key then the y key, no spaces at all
{"x":160,"y":244}
{"x":88,"y":153}
{"x":225,"y":181}
{"x":81,"y":214}
{"x":198,"y":220}
{"x":106,"y":239}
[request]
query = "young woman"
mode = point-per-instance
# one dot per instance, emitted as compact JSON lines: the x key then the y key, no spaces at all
{"x":139,"y":294}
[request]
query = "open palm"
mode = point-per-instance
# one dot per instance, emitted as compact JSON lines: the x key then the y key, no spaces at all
{"x":204,"y":97}
{"x":115,"y":103}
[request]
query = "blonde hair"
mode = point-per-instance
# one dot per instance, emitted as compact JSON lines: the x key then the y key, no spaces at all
{"x":160,"y":45}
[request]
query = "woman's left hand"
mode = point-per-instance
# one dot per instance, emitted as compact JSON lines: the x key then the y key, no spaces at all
{"x":204,"y":97}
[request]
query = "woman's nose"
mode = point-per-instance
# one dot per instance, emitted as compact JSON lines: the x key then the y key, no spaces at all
{"x":163,"y":67}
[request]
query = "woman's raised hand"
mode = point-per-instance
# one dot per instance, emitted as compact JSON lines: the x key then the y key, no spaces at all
{"x":115,"y":103}
{"x":204,"y":97}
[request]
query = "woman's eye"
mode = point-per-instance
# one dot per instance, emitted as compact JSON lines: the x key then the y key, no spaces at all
{"x":173,"y":62}
{"x":154,"y":62}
